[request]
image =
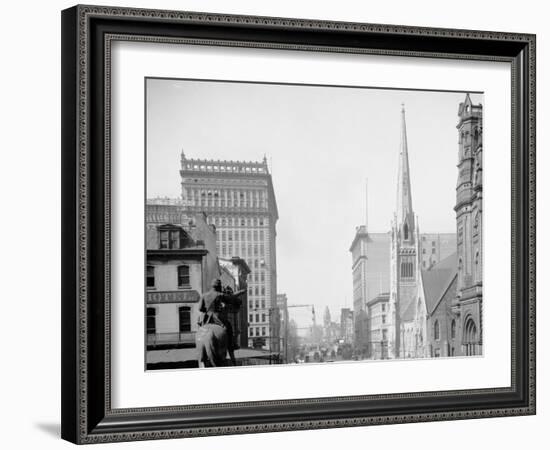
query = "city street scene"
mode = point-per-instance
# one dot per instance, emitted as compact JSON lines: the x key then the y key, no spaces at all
{"x":296,"y":224}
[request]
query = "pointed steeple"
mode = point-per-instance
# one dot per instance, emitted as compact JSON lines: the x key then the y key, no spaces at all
{"x":404,"y":211}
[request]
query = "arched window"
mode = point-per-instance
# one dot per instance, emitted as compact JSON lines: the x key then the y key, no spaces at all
{"x":436,"y":330}
{"x":184,"y":280}
{"x":453,"y":329}
{"x":470,"y":337}
{"x":406,"y":231}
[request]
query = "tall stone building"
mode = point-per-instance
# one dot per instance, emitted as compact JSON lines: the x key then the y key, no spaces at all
{"x":239,"y":199}
{"x":370,"y":261}
{"x":404,"y":255}
{"x":469,"y":206}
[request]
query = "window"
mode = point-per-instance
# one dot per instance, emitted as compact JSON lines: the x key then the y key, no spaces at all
{"x":151,"y":320}
{"x":150,"y":277}
{"x":383,"y":307}
{"x":407,"y":269}
{"x":170,"y":238}
{"x":433,"y":251}
{"x":470,"y":337}
{"x":184,"y":279}
{"x":424,"y":251}
{"x":257,"y":317}
{"x":437,"y":353}
{"x":250,"y":318}
{"x":383,"y":319}
{"x":263,"y":317}
{"x":185,"y":319}
{"x":436,"y":330}
{"x":453,"y":329}
{"x":263,"y":331}
{"x":406,"y":231}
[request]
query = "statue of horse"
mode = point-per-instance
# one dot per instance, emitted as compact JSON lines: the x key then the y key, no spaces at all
{"x":211,"y":340}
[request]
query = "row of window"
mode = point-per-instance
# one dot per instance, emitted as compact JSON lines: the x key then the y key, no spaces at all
{"x":437,"y":331}
{"x":243,"y":249}
{"x":244,"y":235}
{"x":224,"y":168}
{"x":184,"y":316}
{"x":256,"y":331}
{"x":251,"y":318}
{"x":184,"y":279}
{"x":227,"y":197}
{"x":257,"y":304}
{"x":221,"y":222}
{"x":256,"y":290}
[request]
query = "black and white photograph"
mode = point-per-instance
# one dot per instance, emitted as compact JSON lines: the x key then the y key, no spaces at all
{"x":296,"y":224}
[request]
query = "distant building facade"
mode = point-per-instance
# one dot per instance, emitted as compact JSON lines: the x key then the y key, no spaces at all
{"x":346,"y":325}
{"x":468,"y":306}
{"x":282,"y":306}
{"x":370,"y":261}
{"x":240,"y":201}
{"x":435,"y":247}
{"x":378,"y":317}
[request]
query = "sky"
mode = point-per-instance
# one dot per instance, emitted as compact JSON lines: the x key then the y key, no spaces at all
{"x":322,"y":144}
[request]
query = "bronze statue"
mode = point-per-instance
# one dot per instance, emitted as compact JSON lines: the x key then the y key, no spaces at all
{"x":215,"y":334}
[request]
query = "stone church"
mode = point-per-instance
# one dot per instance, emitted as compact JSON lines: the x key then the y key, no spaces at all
{"x":438,"y":312}
{"x":404,"y":260}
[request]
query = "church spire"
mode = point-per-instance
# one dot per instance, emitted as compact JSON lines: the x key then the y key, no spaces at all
{"x":404,"y":211}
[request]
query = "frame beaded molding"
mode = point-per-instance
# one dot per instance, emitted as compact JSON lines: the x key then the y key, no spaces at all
{"x":87,"y":12}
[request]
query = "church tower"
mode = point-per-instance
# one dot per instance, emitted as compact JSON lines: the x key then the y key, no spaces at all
{"x":404,"y":252}
{"x":468,"y":208}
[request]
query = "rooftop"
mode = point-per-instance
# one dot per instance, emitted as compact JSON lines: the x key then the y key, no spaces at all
{"x":224,"y":166}
{"x":436,"y":281}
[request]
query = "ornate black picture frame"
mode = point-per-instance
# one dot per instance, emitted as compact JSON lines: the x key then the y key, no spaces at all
{"x":87,"y":34}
